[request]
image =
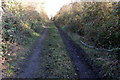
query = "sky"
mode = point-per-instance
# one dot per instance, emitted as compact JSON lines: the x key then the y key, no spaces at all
{"x":53,"y":6}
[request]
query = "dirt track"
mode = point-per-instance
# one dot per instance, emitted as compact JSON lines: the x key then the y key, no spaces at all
{"x":33,"y":62}
{"x":77,"y":55}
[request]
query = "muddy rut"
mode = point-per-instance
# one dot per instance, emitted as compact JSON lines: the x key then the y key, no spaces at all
{"x":33,"y":63}
{"x":77,"y":55}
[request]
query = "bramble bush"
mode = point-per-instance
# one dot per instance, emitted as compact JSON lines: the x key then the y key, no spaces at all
{"x":22,"y":24}
{"x":98,"y":21}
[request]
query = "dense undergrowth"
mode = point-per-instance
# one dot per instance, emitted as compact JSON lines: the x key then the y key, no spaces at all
{"x":107,"y":61}
{"x":97,"y":24}
{"x":22,"y":25}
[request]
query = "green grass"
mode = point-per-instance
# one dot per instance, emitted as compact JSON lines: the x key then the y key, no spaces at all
{"x":57,"y":59}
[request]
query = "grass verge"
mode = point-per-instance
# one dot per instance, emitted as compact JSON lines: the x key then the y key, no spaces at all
{"x":57,"y":60}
